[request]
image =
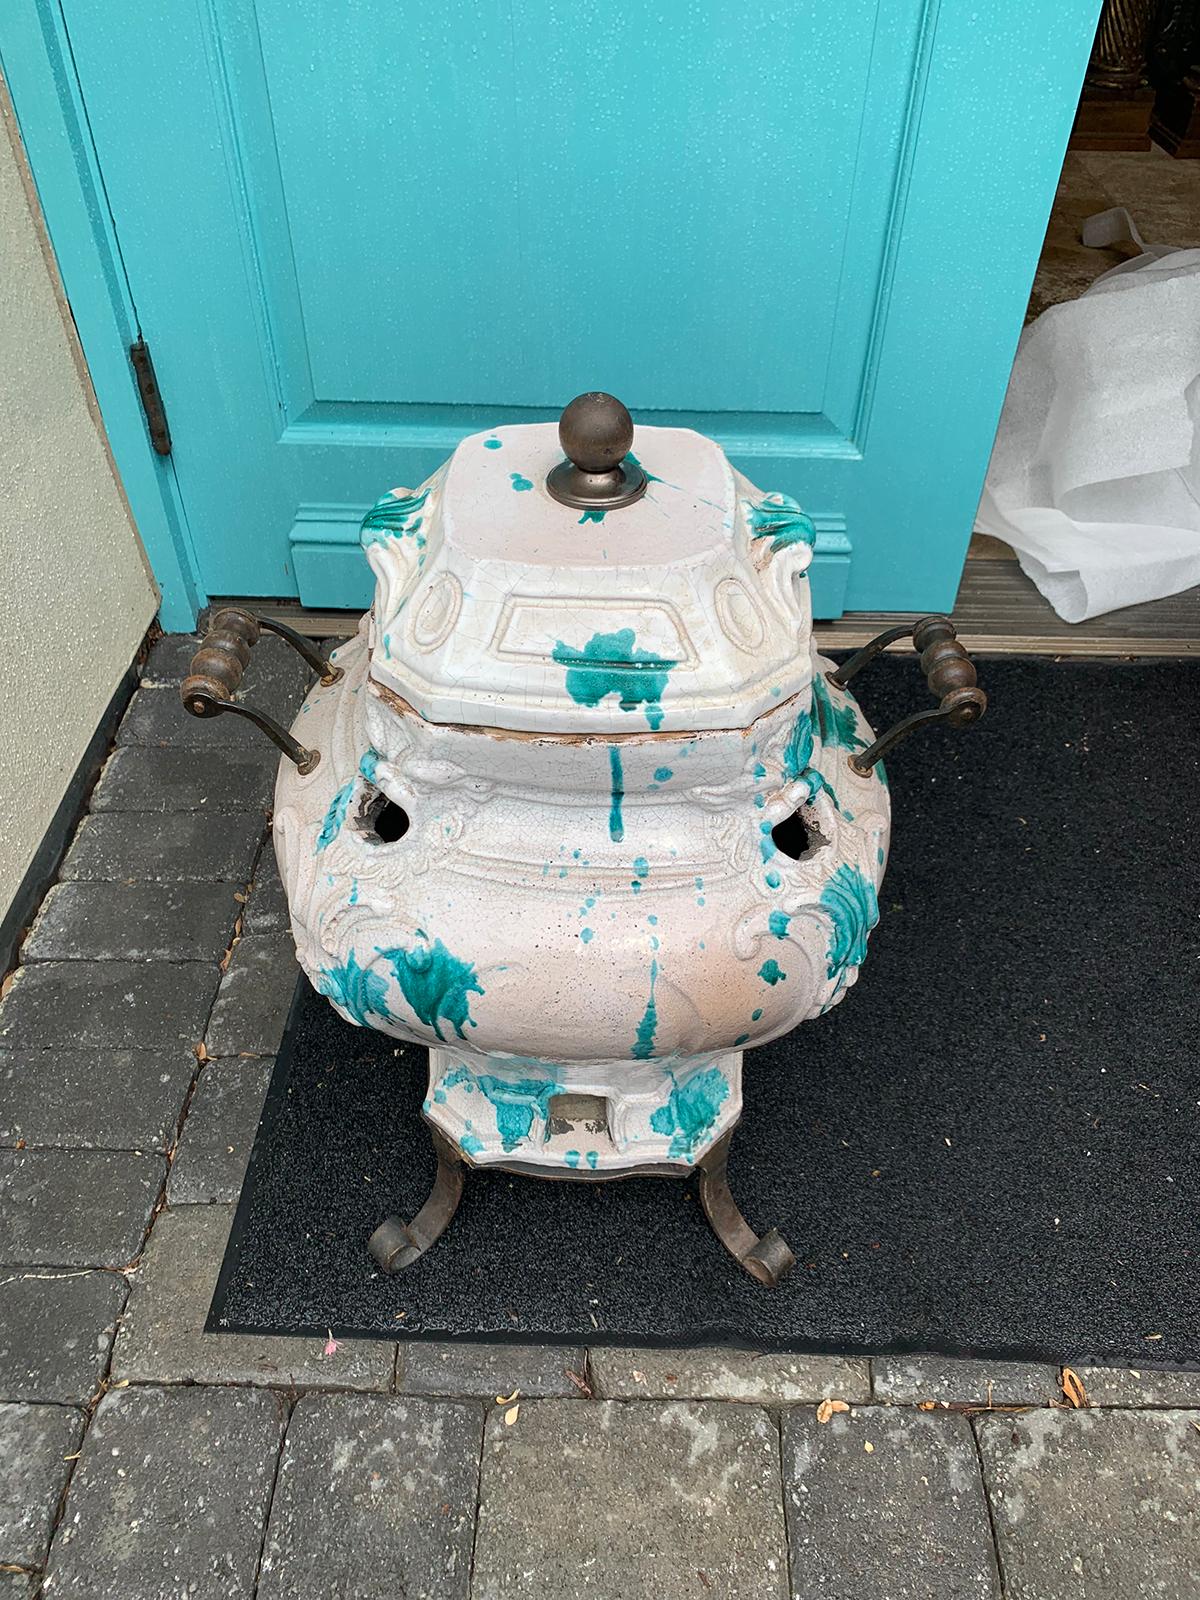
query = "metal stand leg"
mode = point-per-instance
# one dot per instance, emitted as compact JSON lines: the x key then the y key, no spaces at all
{"x":767,"y":1259}
{"x":396,"y":1244}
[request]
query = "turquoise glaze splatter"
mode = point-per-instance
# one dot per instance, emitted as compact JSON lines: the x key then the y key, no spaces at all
{"x":435,"y":984}
{"x":650,"y":478}
{"x":393,"y":517}
{"x":335,"y":816}
{"x":492,"y":444}
{"x":691,"y":1111}
{"x":741,"y":1038}
{"x":592,"y":516}
{"x":773,"y":880}
{"x":515,"y":1101}
{"x":780,"y":519}
{"x":797,"y":753}
{"x":771,"y":972}
{"x":592,"y":1157}
{"x":571,"y":1157}
{"x":643,"y":1047}
{"x":663,"y":774}
{"x":756,"y":1014}
{"x":837,"y":725}
{"x":586,"y":935}
{"x":519,"y":482}
{"x":359,"y":991}
{"x":610,"y":663}
{"x":766,"y":843}
{"x":616,"y":825}
{"x":853,"y":908}
{"x":778,"y":923}
{"x":369,"y":765}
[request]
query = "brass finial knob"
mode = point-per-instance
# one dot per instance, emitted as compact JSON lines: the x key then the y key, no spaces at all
{"x":596,"y":432}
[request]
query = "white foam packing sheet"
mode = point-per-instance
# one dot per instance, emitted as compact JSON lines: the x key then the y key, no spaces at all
{"x":1095,"y":474}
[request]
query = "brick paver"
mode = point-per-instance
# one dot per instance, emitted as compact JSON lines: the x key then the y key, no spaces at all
{"x":128,"y":1005}
{"x":172,"y":847}
{"x":56,"y":1332}
{"x":93,"y":1099}
{"x":911,"y":1379}
{"x":255,"y":997}
{"x":767,"y":1380}
{"x":1101,"y":1504}
{"x":170,"y":778}
{"x":134,"y":922}
{"x":375,"y":1499}
{"x":35,"y":1442}
{"x":76,"y":1208}
{"x":886,"y":1502}
{"x":614,"y":1473}
{"x":488,"y":1371}
{"x":222,"y":1119}
{"x":1138,"y":1386}
{"x":161,"y":1339}
{"x":169,"y":1496}
{"x":620,"y":1499}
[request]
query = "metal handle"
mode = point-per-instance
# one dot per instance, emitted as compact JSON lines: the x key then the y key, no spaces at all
{"x":217,"y":667}
{"x":949,"y":672}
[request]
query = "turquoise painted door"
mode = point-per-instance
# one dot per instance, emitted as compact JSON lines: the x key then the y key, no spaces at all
{"x":352,"y":234}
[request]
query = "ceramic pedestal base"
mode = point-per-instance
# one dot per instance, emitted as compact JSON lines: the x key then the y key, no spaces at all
{"x":590,"y":1119}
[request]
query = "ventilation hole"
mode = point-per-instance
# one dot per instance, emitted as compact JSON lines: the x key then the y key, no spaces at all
{"x":391,"y":822}
{"x":382,"y":820}
{"x":791,"y":836}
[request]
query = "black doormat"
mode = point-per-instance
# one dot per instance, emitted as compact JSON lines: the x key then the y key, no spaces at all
{"x":989,"y":1148}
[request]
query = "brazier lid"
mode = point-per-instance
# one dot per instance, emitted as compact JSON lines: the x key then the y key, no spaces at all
{"x":640,"y":586}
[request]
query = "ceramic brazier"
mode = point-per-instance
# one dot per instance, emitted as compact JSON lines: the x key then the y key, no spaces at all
{"x":579,"y":808}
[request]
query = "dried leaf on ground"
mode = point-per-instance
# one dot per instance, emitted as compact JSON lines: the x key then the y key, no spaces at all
{"x":1073,"y":1389}
{"x":828,"y":1408}
{"x":511,"y":1415}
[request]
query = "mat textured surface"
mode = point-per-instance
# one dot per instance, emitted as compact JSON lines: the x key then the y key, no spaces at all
{"x":998,"y":1127}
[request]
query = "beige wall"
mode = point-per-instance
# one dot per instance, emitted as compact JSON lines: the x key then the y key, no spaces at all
{"x":75,"y":593}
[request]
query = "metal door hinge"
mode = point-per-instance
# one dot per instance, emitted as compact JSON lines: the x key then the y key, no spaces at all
{"x":152,"y":400}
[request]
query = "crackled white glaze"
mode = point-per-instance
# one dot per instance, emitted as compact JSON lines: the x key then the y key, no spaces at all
{"x":588,"y":899}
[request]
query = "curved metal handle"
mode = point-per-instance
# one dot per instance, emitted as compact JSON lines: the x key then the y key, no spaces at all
{"x":217,"y":668}
{"x":949,"y":672}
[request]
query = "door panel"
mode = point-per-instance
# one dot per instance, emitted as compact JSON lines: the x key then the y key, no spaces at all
{"x":353,"y":234}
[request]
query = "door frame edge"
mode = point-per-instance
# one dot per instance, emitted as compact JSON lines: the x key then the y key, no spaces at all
{"x":35,"y":60}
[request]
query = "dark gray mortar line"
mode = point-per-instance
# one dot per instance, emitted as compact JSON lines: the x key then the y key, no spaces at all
{"x":997,"y":1558}
{"x":780,"y":1417}
{"x":287,"y":1405}
{"x":148,"y":1150}
{"x":201,"y":1060}
{"x":588,"y":1375}
{"x":89,"y":1412}
{"x":478,"y":1499}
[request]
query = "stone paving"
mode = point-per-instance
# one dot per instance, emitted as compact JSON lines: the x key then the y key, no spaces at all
{"x":142,"y":1459}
